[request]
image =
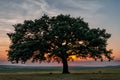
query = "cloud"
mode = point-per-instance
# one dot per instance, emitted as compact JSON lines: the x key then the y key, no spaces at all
{"x":16,"y":11}
{"x":75,"y":6}
{"x":95,"y":12}
{"x":87,"y":9}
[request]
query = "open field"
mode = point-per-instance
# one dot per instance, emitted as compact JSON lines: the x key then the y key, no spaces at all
{"x":55,"y":74}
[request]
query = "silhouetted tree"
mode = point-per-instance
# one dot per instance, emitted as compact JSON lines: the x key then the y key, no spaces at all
{"x":57,"y":38}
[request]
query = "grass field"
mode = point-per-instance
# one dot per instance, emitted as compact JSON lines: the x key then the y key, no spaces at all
{"x":55,"y":74}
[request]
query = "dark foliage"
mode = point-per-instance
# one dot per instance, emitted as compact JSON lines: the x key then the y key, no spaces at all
{"x":57,"y":39}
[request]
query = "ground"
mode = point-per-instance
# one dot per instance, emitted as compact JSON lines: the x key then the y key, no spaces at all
{"x":55,"y":74}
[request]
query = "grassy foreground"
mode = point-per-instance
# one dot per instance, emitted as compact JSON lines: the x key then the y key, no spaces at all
{"x":55,"y":74}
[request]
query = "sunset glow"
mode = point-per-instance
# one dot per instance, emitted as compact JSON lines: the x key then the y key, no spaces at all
{"x":98,"y":13}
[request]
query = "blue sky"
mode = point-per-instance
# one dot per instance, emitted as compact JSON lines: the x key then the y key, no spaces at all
{"x":98,"y":13}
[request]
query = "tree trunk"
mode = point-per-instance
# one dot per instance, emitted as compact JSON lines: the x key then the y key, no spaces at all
{"x":65,"y":66}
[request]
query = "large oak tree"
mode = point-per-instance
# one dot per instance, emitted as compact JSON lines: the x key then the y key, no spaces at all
{"x":57,"y":38}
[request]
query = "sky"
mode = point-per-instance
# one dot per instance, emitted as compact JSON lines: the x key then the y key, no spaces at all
{"x":98,"y":13}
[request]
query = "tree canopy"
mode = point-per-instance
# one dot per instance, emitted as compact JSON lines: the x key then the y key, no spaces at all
{"x":57,"y":38}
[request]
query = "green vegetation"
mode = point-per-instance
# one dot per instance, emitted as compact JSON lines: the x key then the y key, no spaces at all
{"x":54,"y":74}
